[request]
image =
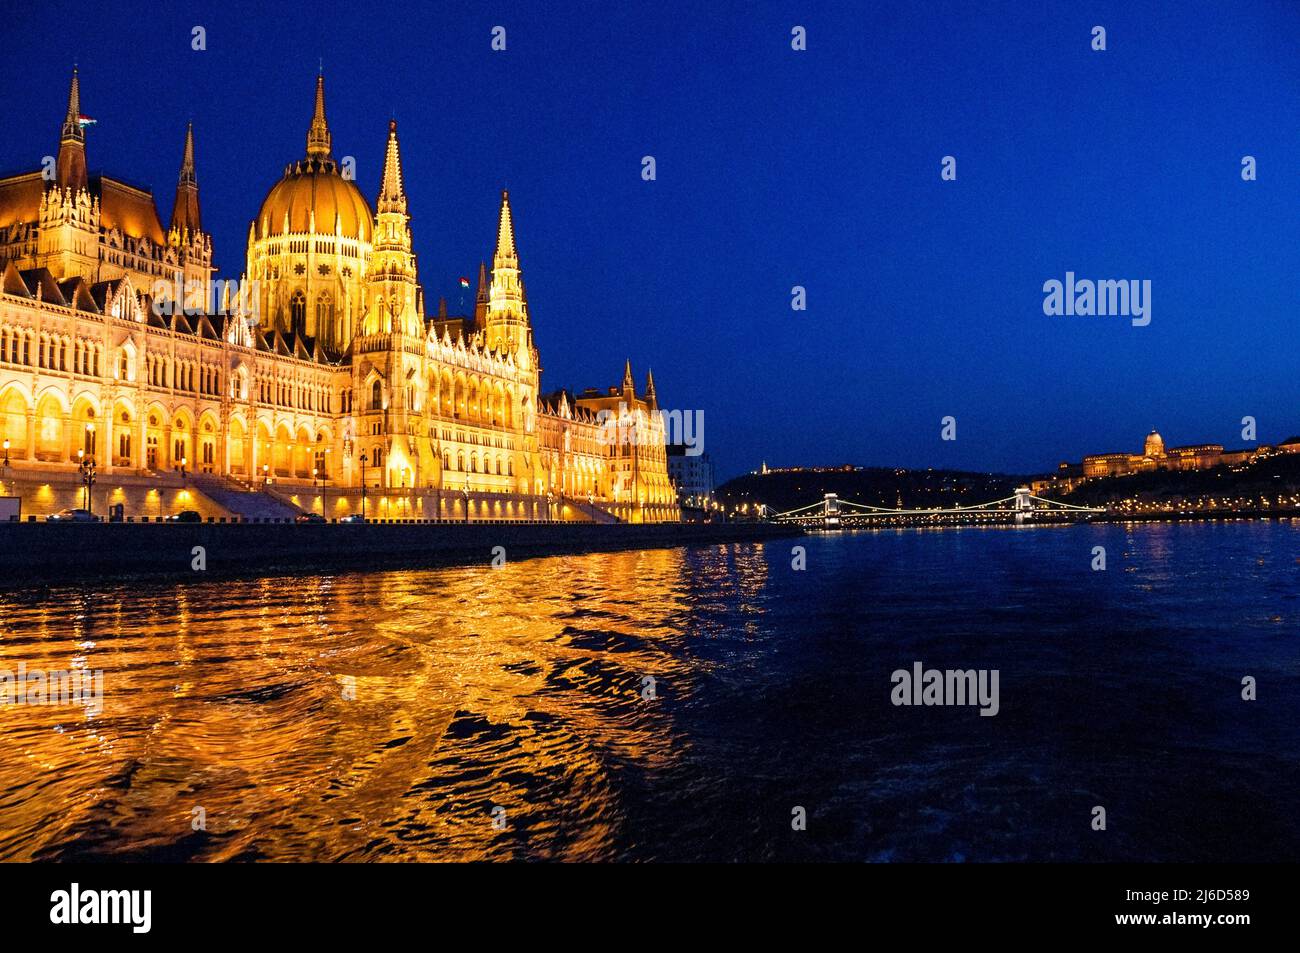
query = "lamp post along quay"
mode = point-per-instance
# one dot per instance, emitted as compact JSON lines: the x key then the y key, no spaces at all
{"x":87,"y":468}
{"x":364,"y":459}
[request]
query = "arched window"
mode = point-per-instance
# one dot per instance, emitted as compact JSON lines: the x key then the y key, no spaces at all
{"x":89,"y":443}
{"x":324,"y":312}
{"x":298,"y":312}
{"x":377,"y":396}
{"x":124,"y":441}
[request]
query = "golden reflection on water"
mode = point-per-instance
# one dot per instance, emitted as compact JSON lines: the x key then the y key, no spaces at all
{"x":227,"y":730}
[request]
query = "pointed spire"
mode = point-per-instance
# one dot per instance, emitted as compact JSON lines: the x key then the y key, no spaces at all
{"x":187,"y":161}
{"x":506,"y":230}
{"x":507,"y":328}
{"x":442,"y":308}
{"x":318,"y":136}
{"x":392,"y":197}
{"x":390,"y":269}
{"x":481,"y":298}
{"x":72,"y":121}
{"x":650,"y":388}
{"x":185,"y":213}
{"x":628,"y":386}
{"x":70,"y":169}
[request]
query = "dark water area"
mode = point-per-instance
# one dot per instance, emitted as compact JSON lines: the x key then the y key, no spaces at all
{"x":479,"y":713}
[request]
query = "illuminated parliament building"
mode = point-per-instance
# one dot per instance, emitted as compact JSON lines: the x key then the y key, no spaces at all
{"x":319,"y":368}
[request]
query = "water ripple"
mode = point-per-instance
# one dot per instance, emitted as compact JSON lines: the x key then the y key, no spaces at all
{"x":676,"y":705}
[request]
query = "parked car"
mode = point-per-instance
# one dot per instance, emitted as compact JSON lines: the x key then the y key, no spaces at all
{"x":354,"y":518}
{"x":309,"y":518}
{"x":187,"y":516}
{"x":73,"y":516}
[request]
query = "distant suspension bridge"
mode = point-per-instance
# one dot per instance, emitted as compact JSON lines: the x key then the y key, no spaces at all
{"x":833,"y":513}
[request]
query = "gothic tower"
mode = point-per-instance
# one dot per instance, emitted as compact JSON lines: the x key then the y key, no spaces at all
{"x":392,"y":327}
{"x":70,"y":169}
{"x":507,"y":326}
{"x":186,"y":235}
{"x":69,"y":215}
{"x":481,"y":299}
{"x":185,"y":213}
{"x":390,"y":280}
{"x":629,"y":388}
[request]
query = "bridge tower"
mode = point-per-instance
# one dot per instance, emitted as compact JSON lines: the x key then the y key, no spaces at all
{"x":1024,"y":505}
{"x":831,"y":510}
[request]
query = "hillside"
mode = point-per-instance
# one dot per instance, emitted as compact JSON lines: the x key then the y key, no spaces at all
{"x":1268,"y":478}
{"x":876,"y":486}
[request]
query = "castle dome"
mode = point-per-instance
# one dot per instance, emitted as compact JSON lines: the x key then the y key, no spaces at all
{"x":1154,"y":446}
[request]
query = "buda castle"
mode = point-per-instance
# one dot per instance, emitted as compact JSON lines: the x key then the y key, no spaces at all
{"x":1155,"y":456}
{"x":319,"y":367}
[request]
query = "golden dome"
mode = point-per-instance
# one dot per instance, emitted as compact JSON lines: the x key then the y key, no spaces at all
{"x":315,"y":185}
{"x":1154,"y":445}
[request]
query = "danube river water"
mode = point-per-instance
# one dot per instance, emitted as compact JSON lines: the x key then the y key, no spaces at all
{"x":482,"y":713}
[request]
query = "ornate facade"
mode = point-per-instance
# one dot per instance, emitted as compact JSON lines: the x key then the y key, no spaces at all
{"x":1154,"y":456}
{"x":320,"y":365}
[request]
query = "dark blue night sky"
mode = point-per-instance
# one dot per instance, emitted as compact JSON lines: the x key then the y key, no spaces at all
{"x":776,"y":168}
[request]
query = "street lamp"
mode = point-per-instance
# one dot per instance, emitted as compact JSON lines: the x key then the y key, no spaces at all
{"x":364,"y":458}
{"x":466,"y":493}
{"x":181,"y":469}
{"x":325,"y":475}
{"x":87,"y":467}
{"x":6,"y":463}
{"x":266,"y":474}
